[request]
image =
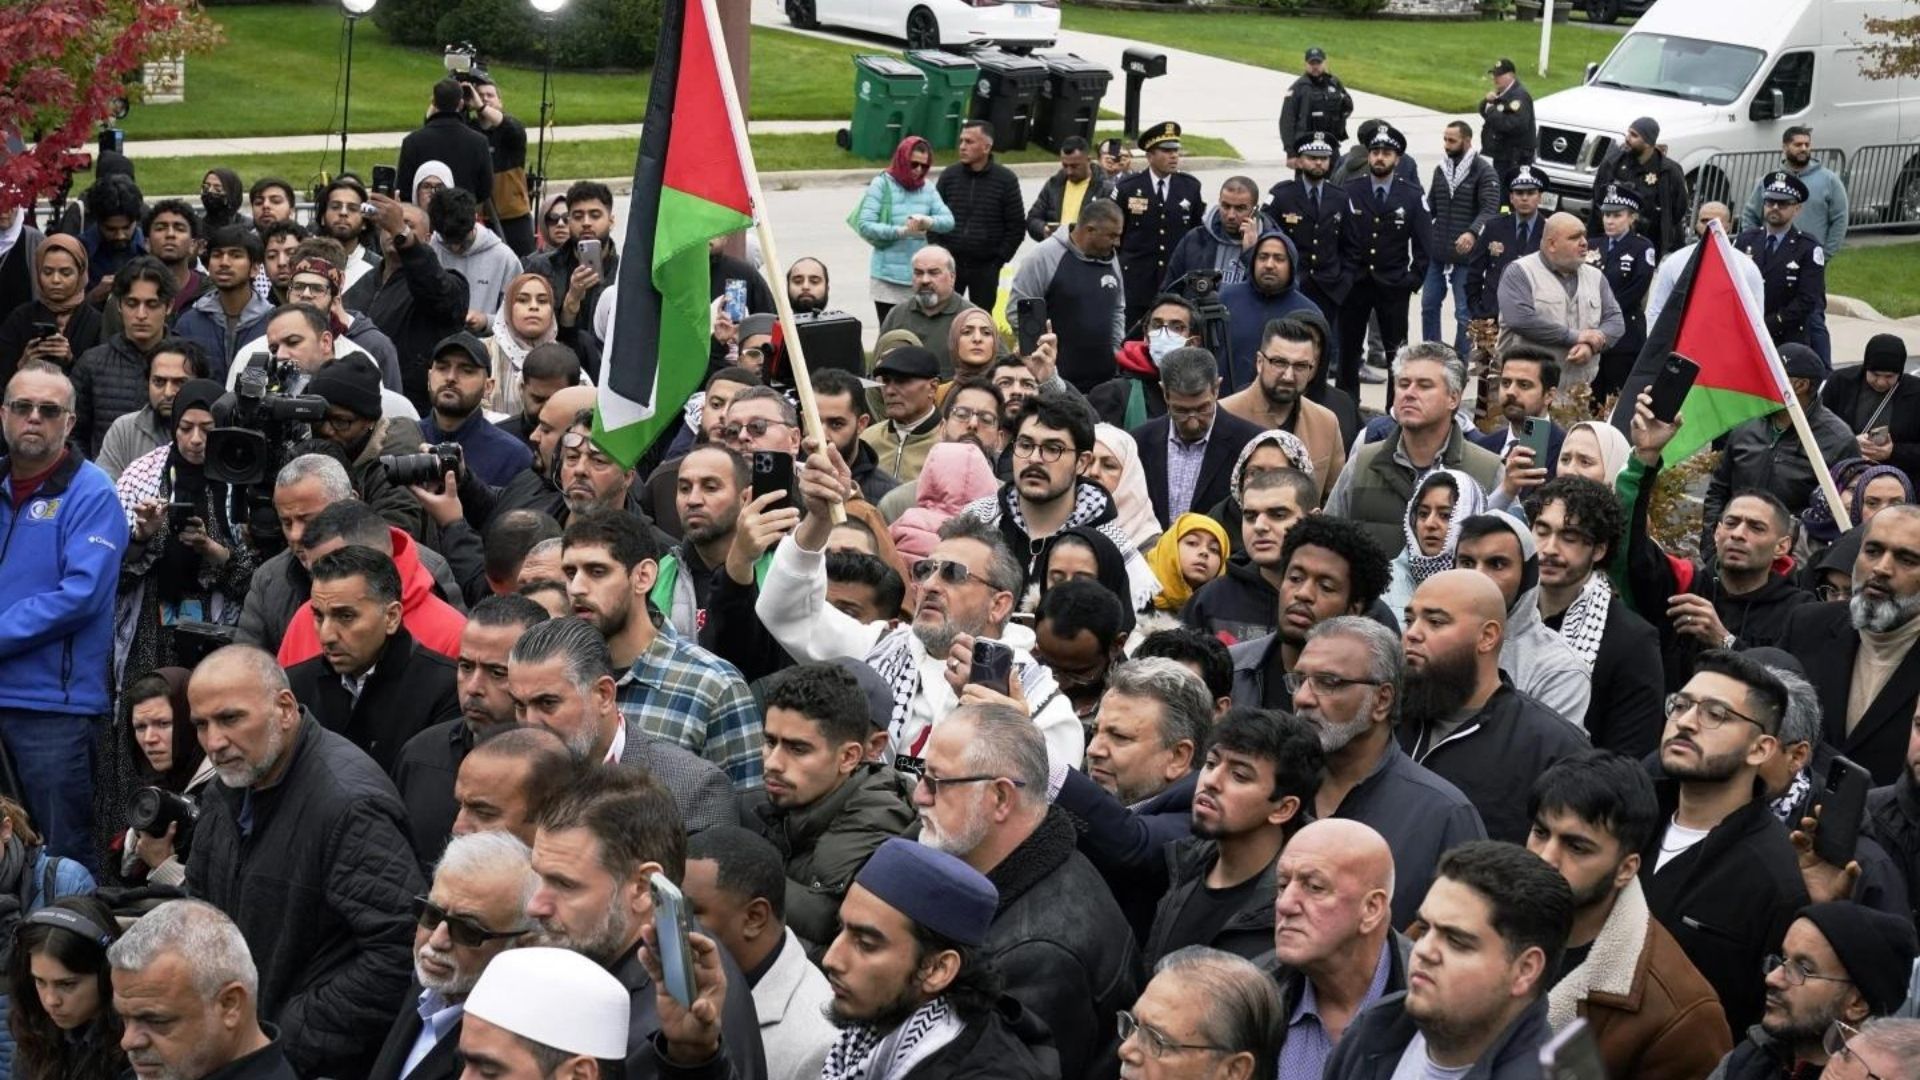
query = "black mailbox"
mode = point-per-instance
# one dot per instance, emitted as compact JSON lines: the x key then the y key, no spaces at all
{"x":1140,"y":65}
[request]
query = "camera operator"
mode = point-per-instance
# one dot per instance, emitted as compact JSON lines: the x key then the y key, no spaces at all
{"x":411,"y":298}
{"x":460,"y":380}
{"x":446,"y":137}
{"x":351,"y":389}
{"x":512,"y":210}
{"x":160,"y":751}
{"x":188,"y":559}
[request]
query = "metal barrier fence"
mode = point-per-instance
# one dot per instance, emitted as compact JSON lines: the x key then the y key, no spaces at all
{"x":1883,"y":182}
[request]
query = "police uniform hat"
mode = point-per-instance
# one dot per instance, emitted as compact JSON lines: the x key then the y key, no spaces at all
{"x":1161,"y":137}
{"x":1617,"y":199}
{"x":1316,"y":53}
{"x":1783,"y":186}
{"x":1313,"y":143}
{"x":1502,"y":66}
{"x":1524,"y":178}
{"x":1386,"y":135}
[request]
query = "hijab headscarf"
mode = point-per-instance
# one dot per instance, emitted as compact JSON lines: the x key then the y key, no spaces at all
{"x":900,"y":168}
{"x":1468,"y":500}
{"x":65,"y":243}
{"x":1132,"y":502}
{"x":1164,"y":559}
{"x":12,"y":233}
{"x":1818,"y":516}
{"x":435,"y":169}
{"x":512,"y":347}
{"x":1110,"y":567}
{"x":1296,"y":451}
{"x":974,"y":315}
{"x":546,"y":207}
{"x":1858,"y":494}
{"x":178,"y":568}
{"x":1614,"y":447}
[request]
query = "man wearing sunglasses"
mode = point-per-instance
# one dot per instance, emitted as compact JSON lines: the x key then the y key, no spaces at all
{"x":66,"y":536}
{"x":476,"y":909}
{"x":1839,"y":966}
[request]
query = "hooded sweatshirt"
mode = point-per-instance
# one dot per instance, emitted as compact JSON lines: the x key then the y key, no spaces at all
{"x":1210,"y":247}
{"x":955,"y":474}
{"x":488,"y":264}
{"x":1539,"y":661}
{"x":434,"y":623}
{"x":1249,"y":310}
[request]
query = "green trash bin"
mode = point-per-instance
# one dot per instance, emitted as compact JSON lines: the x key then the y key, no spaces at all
{"x":949,"y":84}
{"x":886,"y":95}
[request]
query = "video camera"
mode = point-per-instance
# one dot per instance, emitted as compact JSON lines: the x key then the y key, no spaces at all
{"x":257,"y":422}
{"x":1201,"y":288}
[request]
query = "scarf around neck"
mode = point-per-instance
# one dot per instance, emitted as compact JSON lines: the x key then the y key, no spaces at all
{"x":1585,"y":623}
{"x":1468,"y":501}
{"x":1456,"y":171}
{"x":862,"y":1053}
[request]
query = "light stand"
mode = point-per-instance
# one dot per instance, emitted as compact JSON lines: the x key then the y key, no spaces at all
{"x":354,"y":11}
{"x":538,"y":180}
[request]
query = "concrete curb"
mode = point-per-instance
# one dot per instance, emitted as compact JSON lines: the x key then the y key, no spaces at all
{"x":1853,"y":308}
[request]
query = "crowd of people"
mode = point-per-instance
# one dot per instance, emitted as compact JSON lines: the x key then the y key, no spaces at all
{"x":1130,"y":702}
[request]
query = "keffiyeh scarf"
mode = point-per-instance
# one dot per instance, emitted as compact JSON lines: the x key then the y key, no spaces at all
{"x":1586,"y":620}
{"x":893,"y":659}
{"x":861,"y":1053}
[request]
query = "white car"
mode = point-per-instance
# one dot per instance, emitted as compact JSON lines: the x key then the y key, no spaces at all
{"x":1015,"y":25}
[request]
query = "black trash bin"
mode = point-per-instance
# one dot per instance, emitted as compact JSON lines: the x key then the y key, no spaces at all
{"x":1006,"y":96}
{"x":1070,"y":101}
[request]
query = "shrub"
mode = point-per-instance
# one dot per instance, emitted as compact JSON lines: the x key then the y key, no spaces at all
{"x":596,"y":34}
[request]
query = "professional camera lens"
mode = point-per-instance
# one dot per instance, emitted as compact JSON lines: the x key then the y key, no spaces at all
{"x":151,"y":810}
{"x":427,"y":469}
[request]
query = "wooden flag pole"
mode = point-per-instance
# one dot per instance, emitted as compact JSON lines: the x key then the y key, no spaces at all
{"x":763,"y":228}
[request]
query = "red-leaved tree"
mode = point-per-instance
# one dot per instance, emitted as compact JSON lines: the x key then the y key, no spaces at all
{"x":63,"y":64}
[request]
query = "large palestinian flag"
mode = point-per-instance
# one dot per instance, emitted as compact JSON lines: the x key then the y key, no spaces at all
{"x":689,"y":186}
{"x":1711,"y":319}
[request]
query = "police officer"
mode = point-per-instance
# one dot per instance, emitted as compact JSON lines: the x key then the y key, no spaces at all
{"x":1514,"y":233}
{"x":1116,"y":159}
{"x":1309,"y":209}
{"x":1384,"y":242}
{"x":1793,"y":264}
{"x":1657,"y":182}
{"x":1317,"y":104}
{"x":1627,"y":259}
{"x":1159,"y":205}
{"x":1507,"y":134}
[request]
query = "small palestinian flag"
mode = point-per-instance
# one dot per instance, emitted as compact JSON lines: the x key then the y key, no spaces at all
{"x":689,"y":186}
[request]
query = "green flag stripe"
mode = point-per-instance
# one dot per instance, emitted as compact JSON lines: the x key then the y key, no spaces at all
{"x":1708,"y":413}
{"x":680,"y":274}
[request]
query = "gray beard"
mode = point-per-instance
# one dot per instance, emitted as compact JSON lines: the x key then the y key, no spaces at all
{"x":1880,"y":616}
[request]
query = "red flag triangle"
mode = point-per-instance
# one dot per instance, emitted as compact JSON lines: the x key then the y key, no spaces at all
{"x":1716,"y":332}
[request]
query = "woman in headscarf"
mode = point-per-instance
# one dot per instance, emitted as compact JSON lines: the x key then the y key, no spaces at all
{"x":428,"y":180}
{"x":1265,"y":452}
{"x":1085,"y":552}
{"x":525,"y":321}
{"x":1442,"y":502}
{"x":1116,"y":467}
{"x":1594,"y":449}
{"x":187,"y":558}
{"x":554,"y":226}
{"x":1868,"y":489}
{"x":60,"y":281}
{"x":1192,"y":552}
{"x":897,"y":213}
{"x":153,"y":745}
{"x":973,"y":343}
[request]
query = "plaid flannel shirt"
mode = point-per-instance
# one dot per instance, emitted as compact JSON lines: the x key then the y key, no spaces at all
{"x":680,"y":692}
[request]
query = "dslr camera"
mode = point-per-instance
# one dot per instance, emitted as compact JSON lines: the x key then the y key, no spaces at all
{"x":428,"y":469}
{"x":1200,"y":286}
{"x":151,"y":810}
{"x":257,"y":422}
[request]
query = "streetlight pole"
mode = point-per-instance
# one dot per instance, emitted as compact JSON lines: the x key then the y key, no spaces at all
{"x":353,"y":10}
{"x":547,"y":9}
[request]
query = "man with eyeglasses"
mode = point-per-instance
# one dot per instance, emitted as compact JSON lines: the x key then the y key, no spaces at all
{"x":1878,"y":1050}
{"x":315,"y":279}
{"x":1206,"y":1013}
{"x":1135,"y":390}
{"x":1839,"y":966}
{"x":1720,"y":874}
{"x":1057,"y":936}
{"x":1286,"y":370}
{"x":67,"y":536}
{"x":1348,"y":685}
{"x":476,"y":909}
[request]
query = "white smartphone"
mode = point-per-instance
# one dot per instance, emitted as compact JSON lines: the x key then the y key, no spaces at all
{"x":590,"y":253}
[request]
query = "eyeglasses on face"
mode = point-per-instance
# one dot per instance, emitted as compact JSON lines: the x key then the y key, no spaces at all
{"x":967,"y":415}
{"x":1323,"y":682}
{"x":462,"y":929}
{"x":1158,"y":1044}
{"x":1796,"y":971}
{"x":1835,"y":1042}
{"x":934,"y":783}
{"x":1048,"y":452}
{"x":48,"y":410}
{"x":1713,"y":713}
{"x":307,"y":288}
{"x":1303,"y":367}
{"x":754,"y":428}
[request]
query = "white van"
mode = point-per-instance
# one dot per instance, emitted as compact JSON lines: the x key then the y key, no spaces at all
{"x":1727,"y":77}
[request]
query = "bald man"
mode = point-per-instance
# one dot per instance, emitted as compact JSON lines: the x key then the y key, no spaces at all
{"x":331,"y":959}
{"x":1668,"y":275}
{"x":1332,"y":935}
{"x":1461,"y":719}
{"x":1555,"y":300}
{"x":536,"y":487}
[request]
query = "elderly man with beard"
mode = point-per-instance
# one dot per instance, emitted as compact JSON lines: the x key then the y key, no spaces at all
{"x":910,"y":392}
{"x":1555,"y":301}
{"x":936,"y":300}
{"x":1335,"y":951}
{"x":668,"y":686}
{"x":476,"y":908}
{"x":1721,"y":875}
{"x":1463,"y":719}
{"x":965,"y":589}
{"x":1348,"y":685}
{"x":594,"y":851}
{"x":304,"y":843}
{"x":1859,"y":653}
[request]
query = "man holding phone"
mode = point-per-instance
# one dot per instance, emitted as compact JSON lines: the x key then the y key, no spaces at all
{"x":1528,"y":376}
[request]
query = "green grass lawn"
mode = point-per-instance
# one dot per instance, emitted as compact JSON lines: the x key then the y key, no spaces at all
{"x":1884,"y":275}
{"x":275,"y":76}
{"x":565,"y":160}
{"x":1441,"y":65}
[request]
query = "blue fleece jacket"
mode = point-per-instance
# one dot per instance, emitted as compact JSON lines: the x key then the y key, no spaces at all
{"x":1249,"y":310}
{"x":61,"y":557}
{"x":1823,"y":216}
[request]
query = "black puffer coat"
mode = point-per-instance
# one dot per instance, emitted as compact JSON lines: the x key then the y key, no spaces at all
{"x":109,"y":381}
{"x":322,"y":887}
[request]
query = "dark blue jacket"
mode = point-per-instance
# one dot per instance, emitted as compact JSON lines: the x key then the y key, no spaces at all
{"x":62,"y":552}
{"x":1387,"y":244}
{"x":493,"y":455}
{"x":1127,"y":844}
{"x":1499,"y":245}
{"x":1371,"y":1048}
{"x":1249,"y":310}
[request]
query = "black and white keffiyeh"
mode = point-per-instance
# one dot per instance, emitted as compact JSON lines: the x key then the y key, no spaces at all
{"x":861,"y":1053}
{"x":1586,"y":620}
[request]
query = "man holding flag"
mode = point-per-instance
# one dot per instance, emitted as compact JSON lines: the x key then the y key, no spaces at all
{"x":1763,"y":452}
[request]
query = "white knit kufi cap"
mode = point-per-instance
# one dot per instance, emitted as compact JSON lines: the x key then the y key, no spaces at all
{"x":557,"y":998}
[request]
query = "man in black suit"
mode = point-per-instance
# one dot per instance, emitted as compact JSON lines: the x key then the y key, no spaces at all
{"x":476,"y":909}
{"x":371,"y":682}
{"x":1188,"y":454}
{"x":1881,"y":403}
{"x":1309,"y":209}
{"x":1514,"y":233}
{"x":1859,"y":654}
{"x":1160,"y":205}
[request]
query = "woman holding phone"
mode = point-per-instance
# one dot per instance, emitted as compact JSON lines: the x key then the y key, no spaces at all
{"x":898,"y":212}
{"x":59,"y":325}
